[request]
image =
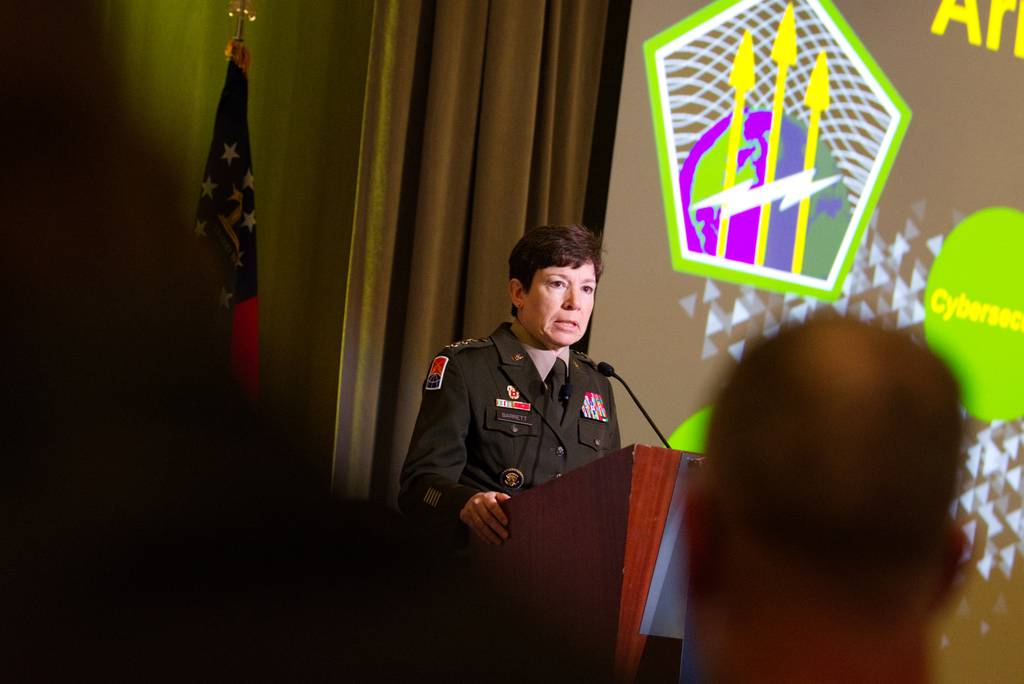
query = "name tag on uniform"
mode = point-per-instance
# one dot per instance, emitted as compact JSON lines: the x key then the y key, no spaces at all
{"x":513,"y":417}
{"x":509,"y":404}
{"x":593,"y":407}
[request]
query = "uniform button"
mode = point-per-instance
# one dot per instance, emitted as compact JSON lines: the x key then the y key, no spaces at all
{"x":560,"y":451}
{"x":597,"y":442}
{"x":558,"y":474}
{"x":515,"y":428}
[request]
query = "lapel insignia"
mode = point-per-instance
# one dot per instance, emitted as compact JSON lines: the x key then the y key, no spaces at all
{"x":517,"y":405}
{"x":513,"y":393}
{"x":436,"y":374}
{"x":518,"y":357}
{"x":593,"y":407}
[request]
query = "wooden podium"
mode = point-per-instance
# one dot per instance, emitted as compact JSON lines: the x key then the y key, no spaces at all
{"x":582,"y":550}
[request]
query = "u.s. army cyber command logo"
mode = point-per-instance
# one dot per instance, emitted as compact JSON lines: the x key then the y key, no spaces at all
{"x":776,"y":131}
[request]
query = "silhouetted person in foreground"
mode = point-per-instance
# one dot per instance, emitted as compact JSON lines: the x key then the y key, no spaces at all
{"x":819,"y":531}
{"x":152,"y":527}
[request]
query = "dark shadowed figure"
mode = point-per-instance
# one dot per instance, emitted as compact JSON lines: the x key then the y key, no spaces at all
{"x":819,"y":530}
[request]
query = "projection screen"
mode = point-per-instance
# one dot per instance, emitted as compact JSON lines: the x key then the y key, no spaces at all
{"x":889,"y":188}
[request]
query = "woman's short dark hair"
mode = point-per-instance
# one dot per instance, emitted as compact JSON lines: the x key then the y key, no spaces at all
{"x":572,"y":245}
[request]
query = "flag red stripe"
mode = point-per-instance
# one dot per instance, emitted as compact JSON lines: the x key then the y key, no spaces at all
{"x":245,"y":346}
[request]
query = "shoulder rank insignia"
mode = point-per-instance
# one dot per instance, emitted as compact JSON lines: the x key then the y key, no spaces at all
{"x":463,"y":343}
{"x":593,"y":407}
{"x":436,"y":374}
{"x":512,"y":478}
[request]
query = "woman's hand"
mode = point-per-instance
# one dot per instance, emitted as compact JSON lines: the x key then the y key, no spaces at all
{"x":483,"y":514}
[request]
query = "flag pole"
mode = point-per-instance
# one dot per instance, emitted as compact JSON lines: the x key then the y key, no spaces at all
{"x":236,"y":51}
{"x":241,"y":10}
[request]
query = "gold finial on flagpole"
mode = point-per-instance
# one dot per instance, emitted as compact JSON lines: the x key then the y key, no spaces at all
{"x":241,"y":10}
{"x":236,"y":50}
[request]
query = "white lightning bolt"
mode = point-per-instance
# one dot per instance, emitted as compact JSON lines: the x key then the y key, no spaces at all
{"x":791,"y":189}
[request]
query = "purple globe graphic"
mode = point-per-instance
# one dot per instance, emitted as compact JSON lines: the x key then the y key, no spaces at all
{"x":702,"y":176}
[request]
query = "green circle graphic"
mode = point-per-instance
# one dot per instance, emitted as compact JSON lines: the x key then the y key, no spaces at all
{"x":692,"y":434}
{"x":974,"y":311}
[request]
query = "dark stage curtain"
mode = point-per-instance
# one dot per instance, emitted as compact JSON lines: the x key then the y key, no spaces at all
{"x":481,"y":119}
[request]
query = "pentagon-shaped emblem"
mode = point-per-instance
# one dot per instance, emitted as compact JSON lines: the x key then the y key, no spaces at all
{"x":776,"y":131}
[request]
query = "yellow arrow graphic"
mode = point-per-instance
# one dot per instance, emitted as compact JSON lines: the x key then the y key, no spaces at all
{"x":784,"y":55}
{"x":741,"y":79}
{"x":817,"y":101}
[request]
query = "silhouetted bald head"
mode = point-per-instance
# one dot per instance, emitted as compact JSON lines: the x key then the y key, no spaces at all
{"x":839,"y":443}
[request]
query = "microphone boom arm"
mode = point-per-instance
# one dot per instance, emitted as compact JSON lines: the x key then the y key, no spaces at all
{"x":607,"y":370}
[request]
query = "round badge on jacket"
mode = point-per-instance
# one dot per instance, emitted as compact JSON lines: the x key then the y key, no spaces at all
{"x":512,"y":478}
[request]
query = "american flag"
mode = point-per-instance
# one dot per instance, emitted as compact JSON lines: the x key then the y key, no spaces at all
{"x":226,"y":217}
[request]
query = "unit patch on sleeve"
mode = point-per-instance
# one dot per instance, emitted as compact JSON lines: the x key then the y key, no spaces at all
{"x":593,"y":407}
{"x":436,"y":374}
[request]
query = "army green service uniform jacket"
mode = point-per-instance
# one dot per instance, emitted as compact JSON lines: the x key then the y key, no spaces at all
{"x":482,"y":427}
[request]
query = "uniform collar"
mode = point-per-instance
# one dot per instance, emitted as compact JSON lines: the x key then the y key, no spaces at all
{"x":509,"y":349}
{"x":516,"y":364}
{"x":543,"y":359}
{"x":519,"y":368}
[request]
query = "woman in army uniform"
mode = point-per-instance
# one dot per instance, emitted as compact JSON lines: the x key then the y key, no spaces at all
{"x":516,"y":409}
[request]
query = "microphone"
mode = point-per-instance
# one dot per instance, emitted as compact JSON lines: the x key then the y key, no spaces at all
{"x":606,"y":369}
{"x":565,"y":394}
